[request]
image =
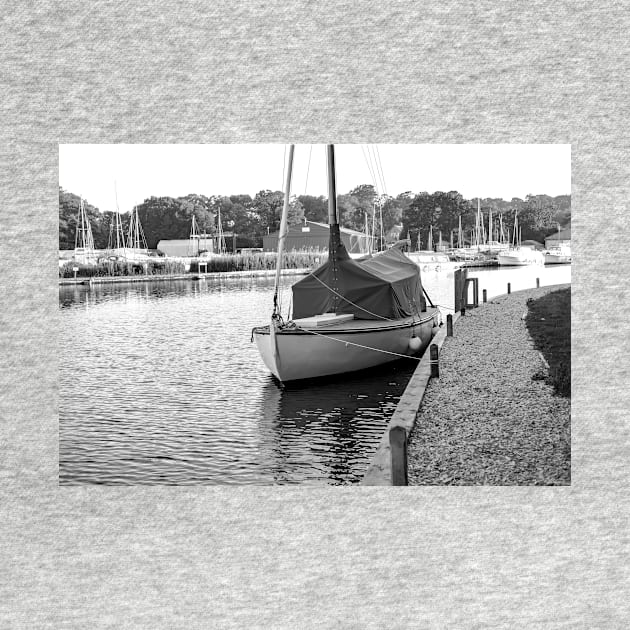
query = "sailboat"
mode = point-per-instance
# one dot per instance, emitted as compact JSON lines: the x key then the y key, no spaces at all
{"x":348,"y":314}
{"x":558,"y":254}
{"x":136,"y":242}
{"x":84,"y":252}
{"x":519,"y":255}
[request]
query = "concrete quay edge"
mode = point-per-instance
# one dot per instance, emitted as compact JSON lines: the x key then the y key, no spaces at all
{"x":379,"y":470}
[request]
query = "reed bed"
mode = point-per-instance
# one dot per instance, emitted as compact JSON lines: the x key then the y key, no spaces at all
{"x":121,"y":268}
{"x":259,"y":261}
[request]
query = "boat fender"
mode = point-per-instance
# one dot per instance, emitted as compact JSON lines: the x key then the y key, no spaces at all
{"x":435,"y":330}
{"x":415,"y":344}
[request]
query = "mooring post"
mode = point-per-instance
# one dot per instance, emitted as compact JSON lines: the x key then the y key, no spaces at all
{"x":462,"y":312}
{"x":435,"y":367}
{"x":538,"y":283}
{"x":449,"y":325}
{"x":485,"y":296}
{"x":398,"y":449}
{"x":509,"y":288}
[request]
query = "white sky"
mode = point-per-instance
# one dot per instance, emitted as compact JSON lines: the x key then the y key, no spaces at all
{"x":138,"y":171}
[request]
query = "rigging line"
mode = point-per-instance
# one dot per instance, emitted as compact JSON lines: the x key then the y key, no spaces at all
{"x":377,"y":184}
{"x":375,"y":177}
{"x":378,"y":155}
{"x":387,"y":319}
{"x":358,"y":345}
{"x":369,"y":165}
{"x":381,"y":187}
{"x":308,"y":168}
{"x":426,"y":295}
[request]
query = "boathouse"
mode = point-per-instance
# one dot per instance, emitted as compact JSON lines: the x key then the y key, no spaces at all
{"x":560,"y":238}
{"x":313,"y":236}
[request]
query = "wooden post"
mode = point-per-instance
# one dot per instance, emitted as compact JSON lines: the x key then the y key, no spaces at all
{"x":485,"y":296}
{"x":457,"y":281}
{"x":509,"y":288}
{"x":476,"y":291}
{"x":463,"y":312}
{"x":538,"y":283}
{"x":435,"y":367}
{"x":398,"y":448}
{"x":460,"y":285}
{"x":449,"y":325}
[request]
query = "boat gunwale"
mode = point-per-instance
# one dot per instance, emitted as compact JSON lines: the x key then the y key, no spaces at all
{"x":334,"y":329}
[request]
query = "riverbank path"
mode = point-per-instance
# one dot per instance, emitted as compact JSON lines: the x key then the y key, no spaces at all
{"x":490,"y":418}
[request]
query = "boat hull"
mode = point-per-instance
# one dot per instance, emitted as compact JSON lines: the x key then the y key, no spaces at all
{"x":554,"y":259}
{"x":558,"y":256}
{"x":519,"y":258}
{"x":294,"y":353}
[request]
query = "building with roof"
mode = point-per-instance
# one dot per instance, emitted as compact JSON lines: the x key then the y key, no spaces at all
{"x":188,"y":247}
{"x":560,"y":238}
{"x":313,"y":236}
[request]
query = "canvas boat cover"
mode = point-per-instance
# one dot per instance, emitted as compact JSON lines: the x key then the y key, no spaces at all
{"x":386,"y":285}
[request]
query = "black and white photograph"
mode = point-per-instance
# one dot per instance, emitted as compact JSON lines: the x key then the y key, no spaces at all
{"x":315,"y":314}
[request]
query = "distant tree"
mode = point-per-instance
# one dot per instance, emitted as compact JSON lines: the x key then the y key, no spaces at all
{"x":315,"y":208}
{"x":267,"y":205}
{"x":69,"y":205}
{"x":295,"y":215}
{"x":441,"y":211}
{"x":350,"y":213}
{"x":169,"y":218}
{"x":537,"y":217}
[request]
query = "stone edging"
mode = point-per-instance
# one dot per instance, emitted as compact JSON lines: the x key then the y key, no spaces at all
{"x":379,"y":469}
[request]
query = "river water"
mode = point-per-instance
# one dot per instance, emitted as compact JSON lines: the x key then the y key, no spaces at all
{"x":160,"y":384}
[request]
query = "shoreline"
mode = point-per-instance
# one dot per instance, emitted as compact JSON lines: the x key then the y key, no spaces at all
{"x":259,"y":273}
{"x":489,"y":419}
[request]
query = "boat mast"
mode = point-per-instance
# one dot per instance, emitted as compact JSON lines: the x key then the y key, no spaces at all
{"x":490,"y":239}
{"x":477,"y":224}
{"x":83,"y":239}
{"x":221,"y":246}
{"x":194,"y":237}
{"x":334,"y":242}
{"x":332,"y":186}
{"x":282,"y":235}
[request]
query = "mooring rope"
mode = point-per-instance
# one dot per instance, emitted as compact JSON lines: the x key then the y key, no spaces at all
{"x":358,"y":345}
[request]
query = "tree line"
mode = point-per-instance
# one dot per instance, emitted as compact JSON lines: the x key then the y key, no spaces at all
{"x":251,"y":218}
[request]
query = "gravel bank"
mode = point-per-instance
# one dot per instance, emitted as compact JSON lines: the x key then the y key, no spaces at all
{"x":485,"y":421}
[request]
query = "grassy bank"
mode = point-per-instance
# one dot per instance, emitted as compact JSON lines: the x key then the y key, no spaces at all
{"x":549,"y":324}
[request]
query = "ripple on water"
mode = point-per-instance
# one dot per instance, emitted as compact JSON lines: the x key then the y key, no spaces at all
{"x":159,"y":384}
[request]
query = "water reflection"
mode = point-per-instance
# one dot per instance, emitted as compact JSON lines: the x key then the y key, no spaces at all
{"x":324,"y":426}
{"x":159,"y":384}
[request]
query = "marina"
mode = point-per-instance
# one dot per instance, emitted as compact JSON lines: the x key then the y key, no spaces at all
{"x":279,"y":341}
{"x":157,"y":387}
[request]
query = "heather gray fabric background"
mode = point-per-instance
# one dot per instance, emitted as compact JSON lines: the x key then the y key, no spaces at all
{"x":313,"y":72}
